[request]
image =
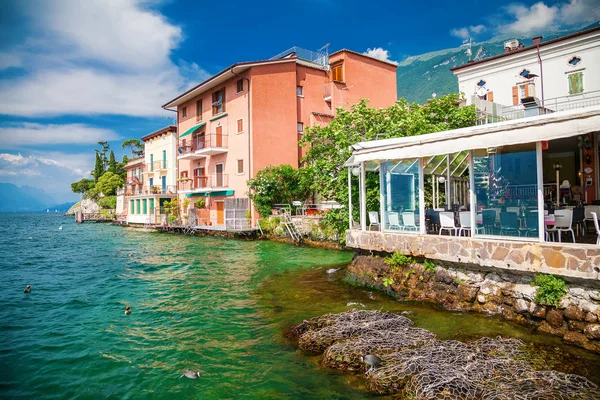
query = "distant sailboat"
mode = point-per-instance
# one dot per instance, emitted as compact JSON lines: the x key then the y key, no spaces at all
{"x":60,"y":228}
{"x":55,"y":211}
{"x":47,"y":210}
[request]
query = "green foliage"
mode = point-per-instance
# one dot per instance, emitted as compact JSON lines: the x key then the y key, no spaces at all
{"x":429,"y":266}
{"x":459,"y":281}
{"x":82,"y":186}
{"x":107,"y":202}
{"x":388,"y":281}
{"x":112,"y":163}
{"x":172,"y":219}
{"x":335,"y":222}
{"x":98,"y":167}
{"x":328,"y":146}
{"x":550,"y":289}
{"x":199,"y":203}
{"x":172,"y":207}
{"x":279,"y":185}
{"x":107,"y":185}
{"x":269,"y":224}
{"x":398,"y":260}
{"x":186,"y":202}
{"x":136,"y":147}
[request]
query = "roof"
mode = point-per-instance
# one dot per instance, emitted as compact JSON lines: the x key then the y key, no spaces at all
{"x":162,"y":131}
{"x":221,"y":77}
{"x":533,"y":47}
{"x":395,"y":64}
{"x":527,"y":130}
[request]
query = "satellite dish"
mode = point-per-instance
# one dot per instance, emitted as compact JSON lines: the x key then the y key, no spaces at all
{"x":481,"y":91}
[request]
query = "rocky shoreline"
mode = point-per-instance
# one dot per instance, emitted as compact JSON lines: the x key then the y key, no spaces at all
{"x":511,"y":295}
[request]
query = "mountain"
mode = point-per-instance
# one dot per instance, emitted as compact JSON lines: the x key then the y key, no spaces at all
{"x":24,"y":198}
{"x":420,"y":76}
{"x":61,"y":208}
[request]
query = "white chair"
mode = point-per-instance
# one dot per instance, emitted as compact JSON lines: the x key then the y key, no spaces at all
{"x":394,"y":221}
{"x":515,"y":210}
{"x":562,"y":223}
{"x":465,"y":222}
{"x":589,"y":210}
{"x":408,"y":218}
{"x":447,"y":223}
{"x":374,"y":220}
{"x":597,"y":225}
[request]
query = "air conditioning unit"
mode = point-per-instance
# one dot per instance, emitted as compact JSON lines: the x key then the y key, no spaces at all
{"x":512,"y":44}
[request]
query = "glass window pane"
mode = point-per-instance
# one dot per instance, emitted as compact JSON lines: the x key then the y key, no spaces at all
{"x":506,"y":190}
{"x":401,"y":195}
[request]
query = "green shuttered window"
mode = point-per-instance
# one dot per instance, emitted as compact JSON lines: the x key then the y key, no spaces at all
{"x":575,"y":83}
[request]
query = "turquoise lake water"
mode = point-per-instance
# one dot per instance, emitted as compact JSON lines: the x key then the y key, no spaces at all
{"x":213,"y":305}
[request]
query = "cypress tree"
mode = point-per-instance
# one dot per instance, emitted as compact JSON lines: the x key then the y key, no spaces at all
{"x":98,"y":167}
{"x":112,"y":164}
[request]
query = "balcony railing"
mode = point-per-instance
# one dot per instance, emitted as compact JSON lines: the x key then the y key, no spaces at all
{"x":156,"y":166}
{"x":206,"y":182}
{"x":147,"y":190}
{"x":489,"y":112}
{"x":327,"y":92}
{"x":203,"y":145}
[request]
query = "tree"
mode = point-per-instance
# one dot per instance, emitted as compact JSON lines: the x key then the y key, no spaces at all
{"x":82,"y":186}
{"x":105,"y":148}
{"x":112,"y":163}
{"x":136,"y":147}
{"x":107,"y":185}
{"x":328,"y":146}
{"x":279,"y":185}
{"x":98,"y":167}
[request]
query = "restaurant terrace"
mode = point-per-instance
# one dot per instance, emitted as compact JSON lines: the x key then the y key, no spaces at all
{"x":490,"y":195}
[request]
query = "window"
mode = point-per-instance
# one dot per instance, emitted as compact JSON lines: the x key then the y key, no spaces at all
{"x":481,"y":83}
{"x":337,"y":73}
{"x":299,"y":92}
{"x":184,"y":112}
{"x":401,"y":195}
{"x":240,"y":86}
{"x":218,"y":102}
{"x":575,"y":83}
{"x":240,"y":167}
{"x":164,"y":160}
{"x":574,"y":61}
{"x":219,"y":177}
{"x":521,"y":91}
{"x":525,"y":73}
{"x":300,"y":127}
{"x":240,"y":126}
{"x":199,"y":110}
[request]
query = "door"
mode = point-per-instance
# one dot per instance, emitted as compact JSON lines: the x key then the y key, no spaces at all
{"x":219,"y":137}
{"x":219,"y":175}
{"x":220,"y":212}
{"x":199,"y":178}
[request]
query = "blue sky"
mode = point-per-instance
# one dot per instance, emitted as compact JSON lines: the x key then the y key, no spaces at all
{"x":75,"y":72}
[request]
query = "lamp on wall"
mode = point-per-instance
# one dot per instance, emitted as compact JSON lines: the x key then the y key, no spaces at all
{"x":557,"y":168}
{"x":355,"y":171}
{"x":442,"y":179}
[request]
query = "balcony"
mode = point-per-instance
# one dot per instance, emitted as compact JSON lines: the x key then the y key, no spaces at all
{"x":202,"y":146}
{"x":489,"y":112}
{"x":156,"y":166}
{"x":327,"y":92}
{"x":146,"y":190}
{"x":206,"y":183}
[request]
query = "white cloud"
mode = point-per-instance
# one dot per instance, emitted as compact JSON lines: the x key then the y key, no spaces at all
{"x":378,"y":53}
{"x":36,"y":135}
{"x":529,"y":19}
{"x":468,"y":31}
{"x":578,"y":11}
{"x":95,"y":57}
{"x":22,"y":172}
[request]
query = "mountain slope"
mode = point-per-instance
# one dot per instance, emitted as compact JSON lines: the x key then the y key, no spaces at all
{"x":24,"y":198}
{"x":420,"y":76}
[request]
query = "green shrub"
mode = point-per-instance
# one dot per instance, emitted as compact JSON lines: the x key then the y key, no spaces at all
{"x":398,"y":260}
{"x":199,"y":203}
{"x":429,"y":266}
{"x":107,"y":202}
{"x":550,"y":289}
{"x":388,"y":281}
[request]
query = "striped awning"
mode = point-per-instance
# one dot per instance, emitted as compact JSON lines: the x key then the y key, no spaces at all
{"x":192,"y":129}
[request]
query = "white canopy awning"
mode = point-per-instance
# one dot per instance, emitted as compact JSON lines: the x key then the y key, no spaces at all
{"x":527,"y":130}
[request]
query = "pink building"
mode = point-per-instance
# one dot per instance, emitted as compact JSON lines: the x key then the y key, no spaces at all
{"x":252,"y":114}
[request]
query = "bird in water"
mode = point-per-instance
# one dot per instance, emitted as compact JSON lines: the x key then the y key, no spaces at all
{"x":190,"y":374}
{"x":130,"y":254}
{"x":127,"y":310}
{"x":372,"y":361}
{"x":27,"y":289}
{"x":60,"y":228}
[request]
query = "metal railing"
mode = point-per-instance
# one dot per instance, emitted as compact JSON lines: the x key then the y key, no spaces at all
{"x":142,"y":190}
{"x":489,"y":112}
{"x":213,"y":181}
{"x":156,"y":166}
{"x":320,"y":57}
{"x":212,"y":140}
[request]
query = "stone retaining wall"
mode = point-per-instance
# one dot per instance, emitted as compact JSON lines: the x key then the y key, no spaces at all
{"x":572,"y":260}
{"x":576,"y":319}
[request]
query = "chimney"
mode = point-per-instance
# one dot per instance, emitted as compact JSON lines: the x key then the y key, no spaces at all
{"x":537,"y":40}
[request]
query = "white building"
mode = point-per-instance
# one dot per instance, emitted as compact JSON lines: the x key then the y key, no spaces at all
{"x":560,"y":73}
{"x":151,"y":179}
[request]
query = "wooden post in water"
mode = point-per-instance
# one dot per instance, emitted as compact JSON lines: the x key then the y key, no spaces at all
{"x":79,"y":217}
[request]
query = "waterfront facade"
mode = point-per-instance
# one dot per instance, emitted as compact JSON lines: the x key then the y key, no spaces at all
{"x":151,"y":179}
{"x":252,"y":115}
{"x":496,"y":210}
